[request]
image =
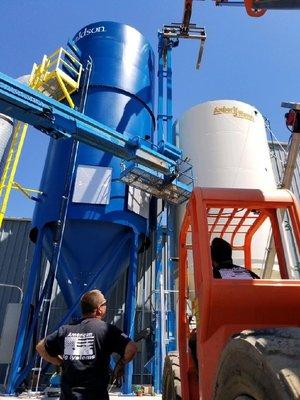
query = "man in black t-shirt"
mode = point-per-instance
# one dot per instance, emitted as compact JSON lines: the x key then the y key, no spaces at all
{"x":83,"y":350}
{"x":223,"y":267}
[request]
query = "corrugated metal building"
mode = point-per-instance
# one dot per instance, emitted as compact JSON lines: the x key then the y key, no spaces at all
{"x":16,"y":252}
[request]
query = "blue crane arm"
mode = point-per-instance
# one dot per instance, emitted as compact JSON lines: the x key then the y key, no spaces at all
{"x":60,"y":121}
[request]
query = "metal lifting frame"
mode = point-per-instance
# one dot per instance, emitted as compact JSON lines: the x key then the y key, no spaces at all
{"x":175,"y":31}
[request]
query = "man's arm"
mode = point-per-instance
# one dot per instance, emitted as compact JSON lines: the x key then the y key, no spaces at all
{"x":130,"y":352}
{"x":40,"y":348}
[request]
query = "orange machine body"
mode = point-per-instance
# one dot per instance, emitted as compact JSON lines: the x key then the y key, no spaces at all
{"x":228,"y":306}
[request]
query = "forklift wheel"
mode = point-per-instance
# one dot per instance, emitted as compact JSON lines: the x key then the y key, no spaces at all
{"x":260,"y":365}
{"x":171,"y":378}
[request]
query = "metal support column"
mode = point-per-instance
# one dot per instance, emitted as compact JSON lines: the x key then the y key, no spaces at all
{"x":129,"y":315}
{"x":160,"y":348}
{"x":164,"y":274}
{"x":170,"y":217}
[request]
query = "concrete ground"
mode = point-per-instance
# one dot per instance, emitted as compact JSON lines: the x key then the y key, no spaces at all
{"x":112,"y":396}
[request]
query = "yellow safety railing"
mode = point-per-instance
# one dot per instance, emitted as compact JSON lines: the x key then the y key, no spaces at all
{"x":58,"y":76}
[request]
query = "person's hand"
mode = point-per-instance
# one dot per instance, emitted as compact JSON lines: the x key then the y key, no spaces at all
{"x":119,"y":372}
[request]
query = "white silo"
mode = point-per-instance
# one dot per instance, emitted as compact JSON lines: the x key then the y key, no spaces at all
{"x":227,"y":144}
{"x":6,"y":130}
{"x":7,"y":125}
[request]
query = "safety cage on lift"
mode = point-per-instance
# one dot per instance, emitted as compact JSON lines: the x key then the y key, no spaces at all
{"x":251,"y":233}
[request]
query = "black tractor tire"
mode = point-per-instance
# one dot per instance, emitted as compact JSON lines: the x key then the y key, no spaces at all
{"x":260,"y":365}
{"x":171,"y":385}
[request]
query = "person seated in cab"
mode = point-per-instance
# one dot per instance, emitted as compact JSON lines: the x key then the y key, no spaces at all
{"x":223,"y":267}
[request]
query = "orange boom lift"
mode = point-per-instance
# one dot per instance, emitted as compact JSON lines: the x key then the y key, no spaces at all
{"x":246,"y":332}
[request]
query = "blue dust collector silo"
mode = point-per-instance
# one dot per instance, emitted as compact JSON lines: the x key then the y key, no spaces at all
{"x":97,"y":232}
{"x":120,"y":94}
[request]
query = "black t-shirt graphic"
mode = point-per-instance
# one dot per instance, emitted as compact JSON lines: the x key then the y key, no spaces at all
{"x":231,"y":271}
{"x":86,"y":348}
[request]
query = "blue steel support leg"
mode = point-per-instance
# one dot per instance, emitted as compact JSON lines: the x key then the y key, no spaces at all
{"x":172,"y":251}
{"x":171,"y":319}
{"x":129,"y":317}
{"x":19,"y":349}
{"x":159,"y":237}
{"x":165,"y":129}
{"x":37,"y":323}
{"x":159,"y":308}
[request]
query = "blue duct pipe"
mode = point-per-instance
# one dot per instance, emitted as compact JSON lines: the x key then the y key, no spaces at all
{"x":169,"y":96}
{"x":160,"y":105}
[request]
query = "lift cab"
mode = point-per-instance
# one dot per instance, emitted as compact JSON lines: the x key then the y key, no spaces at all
{"x":236,"y":323}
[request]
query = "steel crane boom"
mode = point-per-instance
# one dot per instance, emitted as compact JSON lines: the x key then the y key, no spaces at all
{"x":257,"y":8}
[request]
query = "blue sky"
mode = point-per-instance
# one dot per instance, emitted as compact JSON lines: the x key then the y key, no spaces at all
{"x":249,"y":59}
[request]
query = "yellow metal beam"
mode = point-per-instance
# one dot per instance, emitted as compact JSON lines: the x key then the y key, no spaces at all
{"x":65,"y":91}
{"x":25,"y":191}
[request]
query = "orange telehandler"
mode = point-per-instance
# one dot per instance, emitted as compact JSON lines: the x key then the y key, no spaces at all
{"x":246,"y":332}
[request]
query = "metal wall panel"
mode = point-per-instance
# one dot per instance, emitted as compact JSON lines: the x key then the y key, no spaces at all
{"x":16,"y":253}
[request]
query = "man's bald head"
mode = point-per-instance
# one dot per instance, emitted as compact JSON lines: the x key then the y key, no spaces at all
{"x":91,"y":300}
